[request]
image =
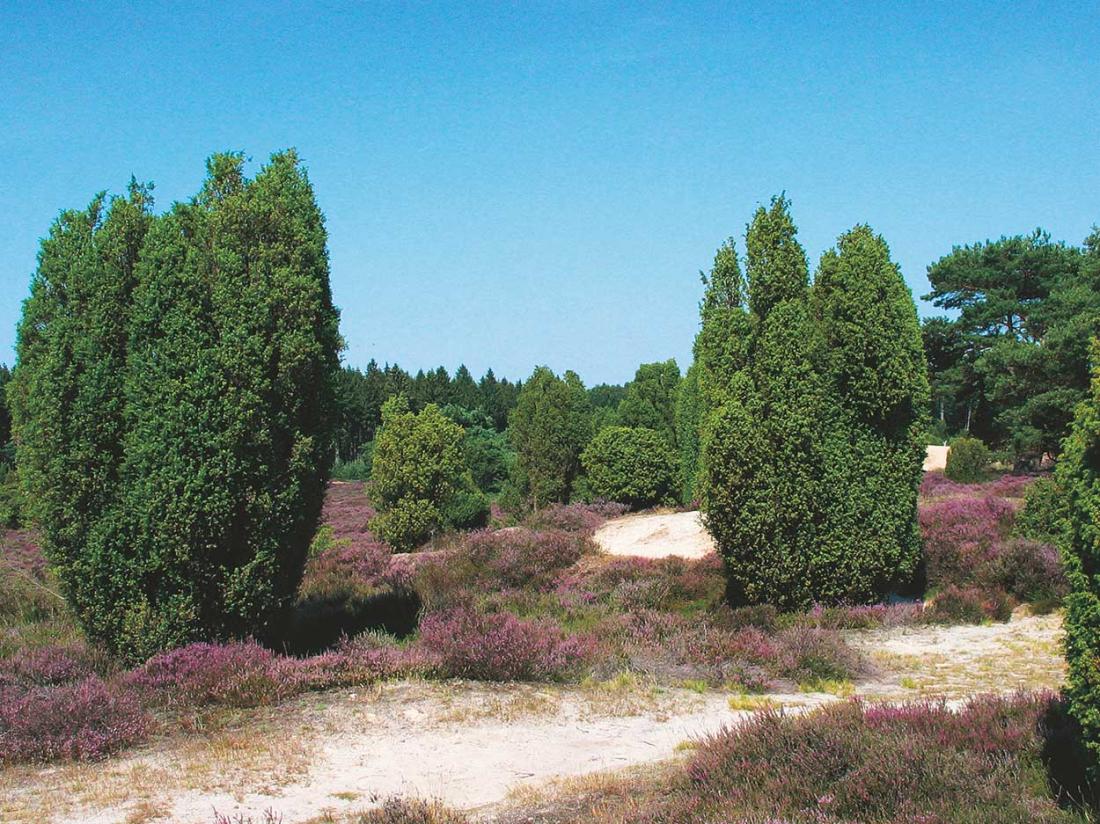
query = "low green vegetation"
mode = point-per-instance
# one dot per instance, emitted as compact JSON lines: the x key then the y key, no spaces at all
{"x":635,"y":466}
{"x":967,"y":461}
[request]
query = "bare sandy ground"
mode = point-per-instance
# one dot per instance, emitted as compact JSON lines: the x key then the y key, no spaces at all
{"x":656,"y":535}
{"x":474,"y":745}
{"x":935,"y":458}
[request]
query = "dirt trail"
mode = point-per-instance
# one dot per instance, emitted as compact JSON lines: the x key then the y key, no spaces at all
{"x":656,"y":535}
{"x":471,"y":745}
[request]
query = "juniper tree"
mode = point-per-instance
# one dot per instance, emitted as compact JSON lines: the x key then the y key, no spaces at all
{"x":175,"y":405}
{"x":689,"y":414}
{"x":810,"y":454}
{"x":68,"y":398}
{"x":417,"y":469}
{"x":549,"y":428}
{"x":876,"y":409}
{"x":650,"y":399}
{"x":761,"y":458}
{"x":1078,"y":479}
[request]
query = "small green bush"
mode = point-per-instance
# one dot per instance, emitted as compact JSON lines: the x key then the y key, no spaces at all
{"x":468,"y":508}
{"x":1043,"y":517}
{"x":631,"y":465}
{"x":967,"y":461}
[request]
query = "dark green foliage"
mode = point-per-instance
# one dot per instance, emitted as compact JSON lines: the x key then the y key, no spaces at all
{"x":488,"y":457}
{"x":722,"y":346}
{"x":689,"y":418}
{"x":1014,"y":363}
{"x":464,"y":391}
{"x":811,"y":457}
{"x":1078,"y":478}
{"x":549,"y":428}
{"x":358,"y":468}
{"x":417,"y":471}
{"x":967,"y":461}
{"x":777,"y":269}
{"x":174,"y":405}
{"x":1044,"y":514}
{"x":650,"y":399}
{"x":630,"y":465}
{"x":5,"y":412}
{"x":467,"y":508}
{"x":872,"y":451}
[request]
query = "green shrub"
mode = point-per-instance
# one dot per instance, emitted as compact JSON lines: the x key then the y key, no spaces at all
{"x":631,"y":465}
{"x":417,"y":471}
{"x":173,"y":405}
{"x":1078,"y":477}
{"x":967,"y":461}
{"x":357,"y":469}
{"x":1043,"y":517}
{"x":467,"y":508}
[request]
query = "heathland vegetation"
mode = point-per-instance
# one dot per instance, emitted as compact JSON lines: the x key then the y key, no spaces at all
{"x":204,"y":513}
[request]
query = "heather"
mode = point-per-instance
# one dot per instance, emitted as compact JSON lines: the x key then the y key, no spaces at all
{"x":534,"y":602}
{"x":986,"y":762}
{"x":84,"y":720}
{"x":971,"y":541}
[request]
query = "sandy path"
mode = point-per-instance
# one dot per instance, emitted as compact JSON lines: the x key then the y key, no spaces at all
{"x":472,"y":745}
{"x":650,"y":535}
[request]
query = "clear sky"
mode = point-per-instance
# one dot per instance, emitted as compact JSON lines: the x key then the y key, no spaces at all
{"x":514,"y":184}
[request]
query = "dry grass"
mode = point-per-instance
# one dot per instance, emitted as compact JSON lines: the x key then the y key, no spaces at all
{"x":261,"y":755}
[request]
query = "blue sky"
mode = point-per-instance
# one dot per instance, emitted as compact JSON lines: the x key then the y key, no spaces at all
{"x":514,"y":184}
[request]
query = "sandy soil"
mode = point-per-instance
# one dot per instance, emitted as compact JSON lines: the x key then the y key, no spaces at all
{"x":935,"y":458}
{"x":656,"y":535}
{"x":474,"y":745}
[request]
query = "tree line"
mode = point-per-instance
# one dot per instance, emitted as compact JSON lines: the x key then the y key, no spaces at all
{"x":1013,"y":362}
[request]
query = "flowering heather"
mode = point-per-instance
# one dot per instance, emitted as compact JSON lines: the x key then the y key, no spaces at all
{"x":501,"y":647}
{"x":917,"y":763}
{"x":84,"y":720}
{"x":968,"y":543}
{"x":347,"y":511}
{"x":575,"y":517}
{"x":968,"y":605}
{"x":360,"y":660}
{"x":937,"y":485}
{"x":865,"y":616}
{"x":961,"y":534}
{"x":346,"y":568}
{"x":242,"y":674}
{"x":45,"y":667}
{"x":492,"y":561}
{"x":646,"y":583}
{"x":20,"y":550}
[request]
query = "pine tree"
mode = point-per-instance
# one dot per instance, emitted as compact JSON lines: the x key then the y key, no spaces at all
{"x":464,"y":390}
